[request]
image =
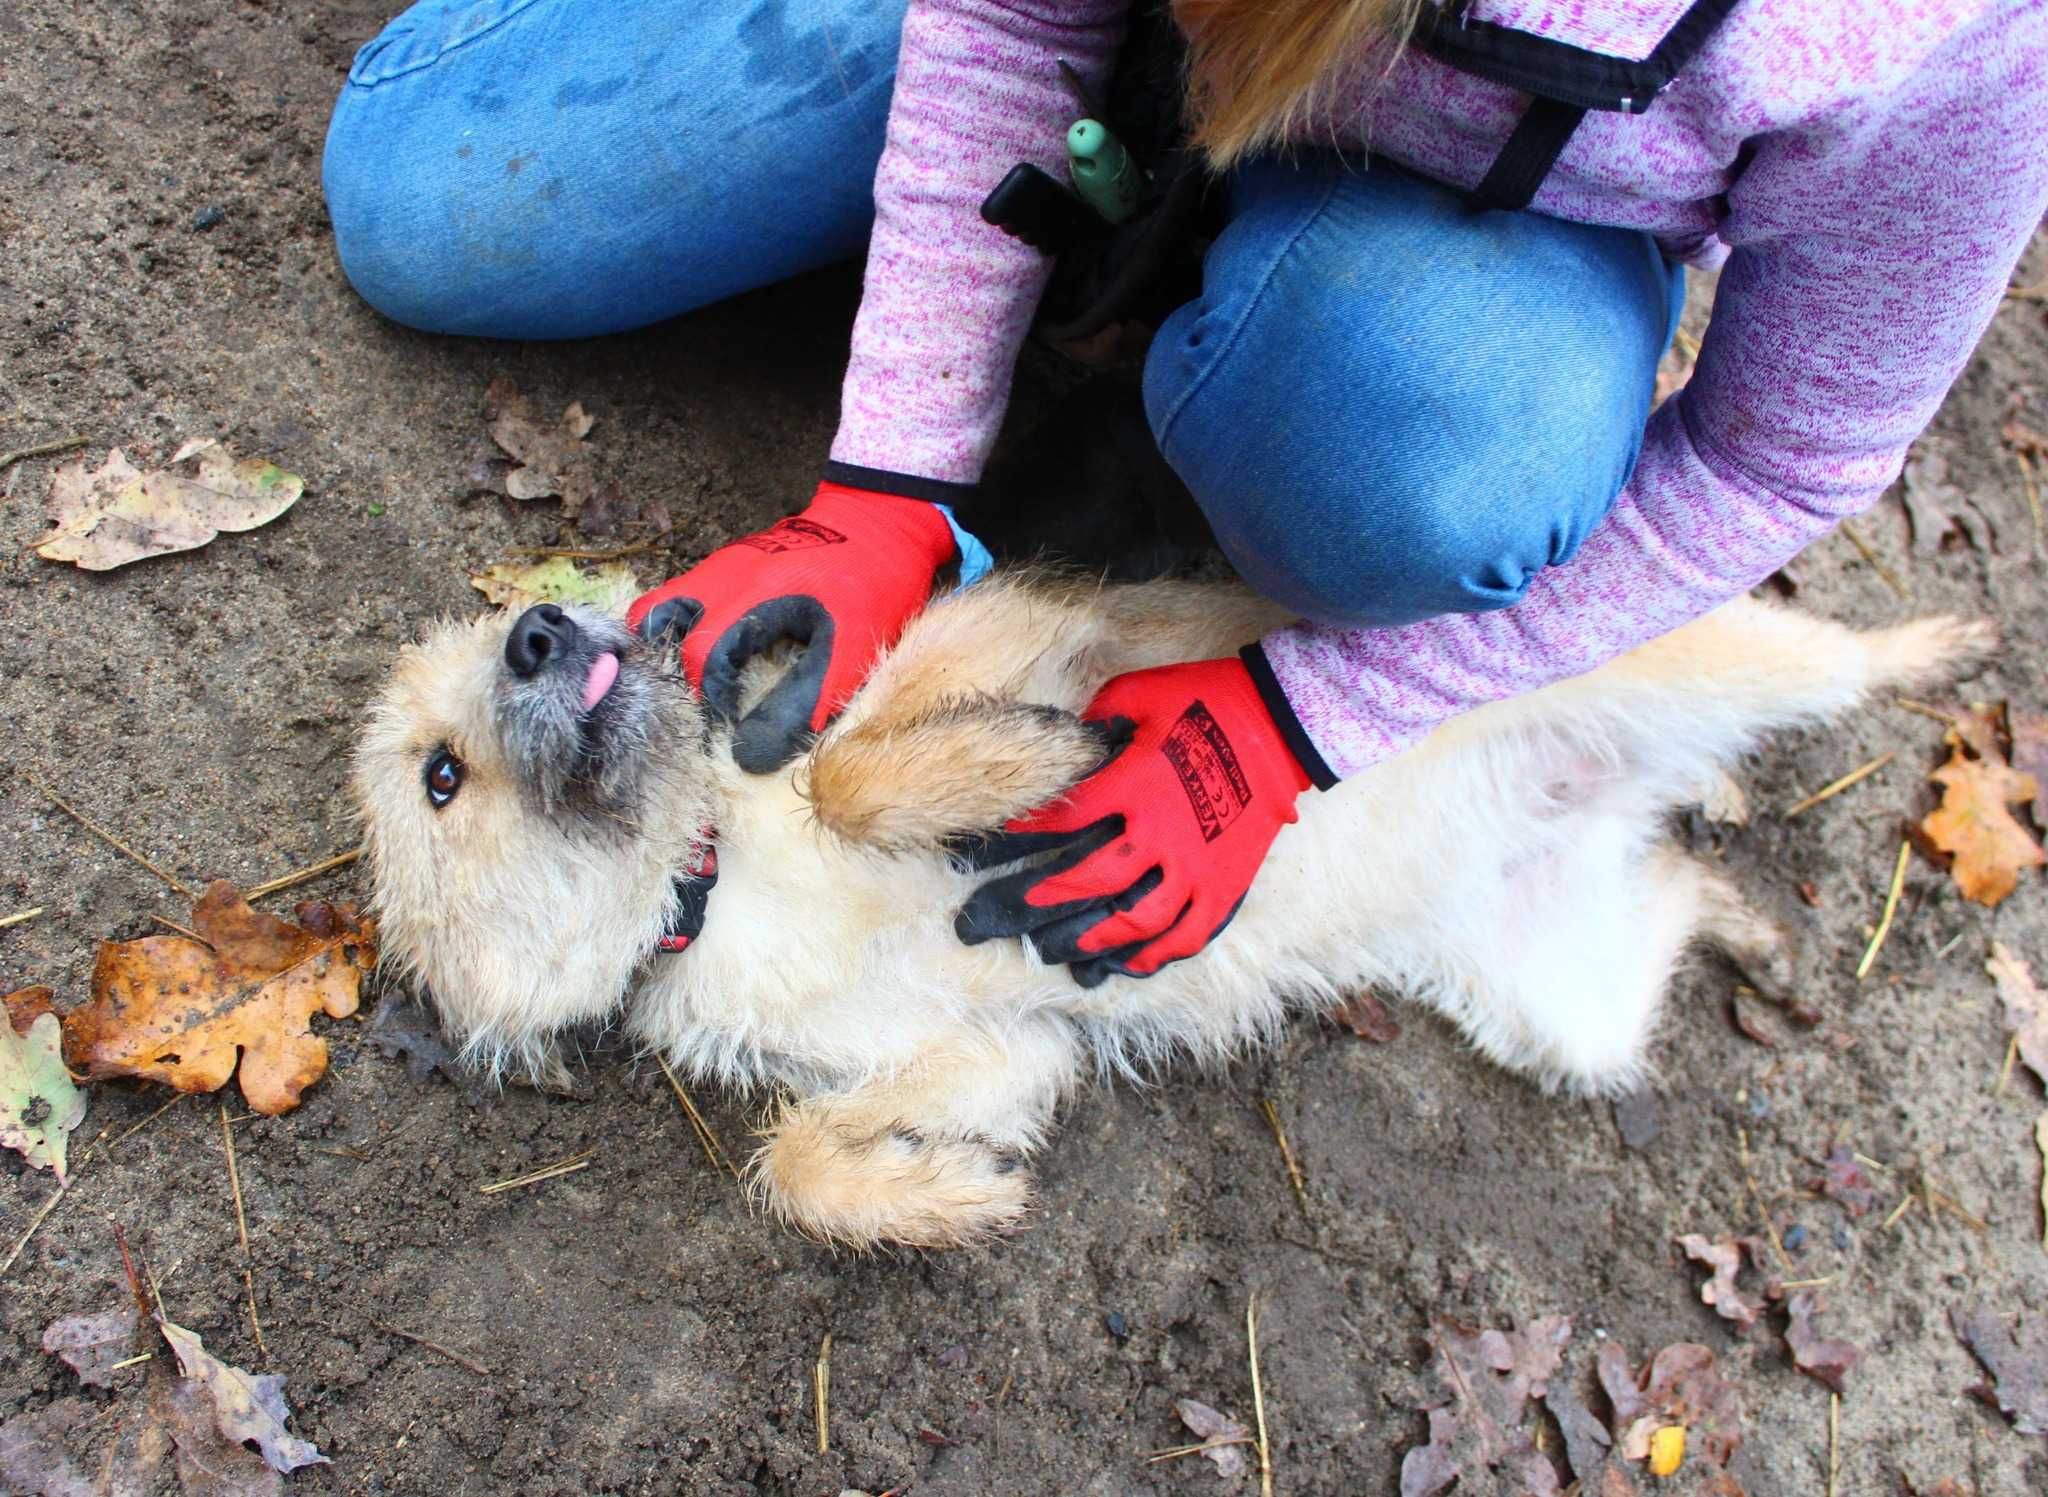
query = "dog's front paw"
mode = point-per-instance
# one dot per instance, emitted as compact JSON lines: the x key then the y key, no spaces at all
{"x":842,"y":1181}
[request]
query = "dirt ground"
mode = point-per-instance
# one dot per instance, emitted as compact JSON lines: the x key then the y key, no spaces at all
{"x":640,"y":1330}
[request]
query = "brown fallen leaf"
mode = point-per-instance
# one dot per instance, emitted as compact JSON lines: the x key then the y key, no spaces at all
{"x":210,"y":1464}
{"x":1818,"y":1356}
{"x":1747,"y":1013}
{"x":609,"y":513}
{"x":91,"y":1344}
{"x":1367,"y":1017}
{"x":1937,"y":507}
{"x":245,"y":1408}
{"x":1586,"y":1441}
{"x":114,"y":514}
{"x":2030,"y":756}
{"x":1223,"y":1440}
{"x":1682,"y":1385}
{"x":26,"y":1005}
{"x":551,"y":455}
{"x":32,"y":1454}
{"x":2016,"y":1358}
{"x":1846,"y":1182}
{"x":179,"y":1011}
{"x":2026,"y":1006}
{"x":1485,"y":1381}
{"x":1989,"y":847}
{"x":1724,"y":1258}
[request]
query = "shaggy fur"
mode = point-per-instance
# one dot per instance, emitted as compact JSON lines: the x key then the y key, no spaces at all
{"x":1509,"y":873}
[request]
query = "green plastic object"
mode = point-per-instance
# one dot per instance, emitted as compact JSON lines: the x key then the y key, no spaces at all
{"x":1103,"y":172}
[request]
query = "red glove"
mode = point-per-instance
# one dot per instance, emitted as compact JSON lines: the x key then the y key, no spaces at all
{"x":839,"y":580}
{"x":1159,"y":845}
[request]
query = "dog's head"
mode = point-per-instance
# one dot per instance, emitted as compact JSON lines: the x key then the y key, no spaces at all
{"x":528,"y":786}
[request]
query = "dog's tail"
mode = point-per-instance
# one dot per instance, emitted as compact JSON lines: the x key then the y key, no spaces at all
{"x":1678,"y":708}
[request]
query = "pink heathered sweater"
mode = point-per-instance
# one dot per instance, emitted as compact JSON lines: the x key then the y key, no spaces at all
{"x":1868,"y":171}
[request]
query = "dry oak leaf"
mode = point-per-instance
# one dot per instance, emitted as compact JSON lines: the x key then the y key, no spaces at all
{"x":1223,"y":1439}
{"x":32,"y":1454}
{"x":179,"y":1011}
{"x":1681,"y":1385}
{"x":1989,"y":846}
{"x":107,"y":517}
{"x":245,"y":1407}
{"x":1823,"y":1357}
{"x":2017,"y":1360}
{"x":210,"y":1464}
{"x":92,"y":1344}
{"x":1365,"y":1015}
{"x":1936,"y":506}
{"x":553,"y":458}
{"x":1725,"y":1259}
{"x":2026,"y":1006}
{"x":1486,"y":1380}
{"x":558,"y":579}
{"x":39,"y":1104}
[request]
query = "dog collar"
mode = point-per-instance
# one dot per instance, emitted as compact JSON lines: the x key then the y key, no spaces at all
{"x":693,"y":897}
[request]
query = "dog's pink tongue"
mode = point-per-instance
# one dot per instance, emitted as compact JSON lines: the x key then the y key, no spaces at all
{"x":603,"y":672}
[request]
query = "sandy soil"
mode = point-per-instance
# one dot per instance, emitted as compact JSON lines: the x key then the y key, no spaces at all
{"x":642,"y":1332}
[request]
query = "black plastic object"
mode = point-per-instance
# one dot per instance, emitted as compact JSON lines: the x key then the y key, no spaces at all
{"x":1029,"y":205}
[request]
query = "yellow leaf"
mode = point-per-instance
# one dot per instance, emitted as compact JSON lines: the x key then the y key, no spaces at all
{"x":1667,"y":1449}
{"x":107,"y":517}
{"x":557,"y":580}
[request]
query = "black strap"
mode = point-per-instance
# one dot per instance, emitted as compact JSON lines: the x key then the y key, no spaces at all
{"x":1548,"y":68}
{"x":693,"y":900}
{"x":1538,"y":139}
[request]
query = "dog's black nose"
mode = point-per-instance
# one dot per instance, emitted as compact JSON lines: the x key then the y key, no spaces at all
{"x":538,"y":636}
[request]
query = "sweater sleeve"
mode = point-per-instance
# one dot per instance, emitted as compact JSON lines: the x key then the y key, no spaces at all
{"x":1869,"y":249}
{"x":948,"y":299}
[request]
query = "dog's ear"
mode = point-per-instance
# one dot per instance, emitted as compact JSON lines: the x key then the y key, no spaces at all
{"x":957,"y":768}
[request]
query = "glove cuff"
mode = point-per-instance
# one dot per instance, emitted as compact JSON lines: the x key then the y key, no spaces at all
{"x":902,"y":485}
{"x":1292,"y":733}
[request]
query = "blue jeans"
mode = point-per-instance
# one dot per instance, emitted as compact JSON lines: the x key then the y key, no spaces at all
{"x":1388,"y":406}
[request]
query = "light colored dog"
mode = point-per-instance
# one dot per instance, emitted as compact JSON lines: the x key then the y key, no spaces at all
{"x":526,"y":830}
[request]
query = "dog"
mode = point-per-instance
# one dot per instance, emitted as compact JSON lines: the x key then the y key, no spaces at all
{"x":532,"y":832}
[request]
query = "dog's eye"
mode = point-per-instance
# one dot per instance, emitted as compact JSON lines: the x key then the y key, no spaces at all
{"x":444,"y":778}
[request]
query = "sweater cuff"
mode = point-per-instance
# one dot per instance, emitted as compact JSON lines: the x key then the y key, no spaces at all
{"x":1292,"y":733}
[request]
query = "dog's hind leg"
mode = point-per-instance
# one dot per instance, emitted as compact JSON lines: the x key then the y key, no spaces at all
{"x":929,"y":1157}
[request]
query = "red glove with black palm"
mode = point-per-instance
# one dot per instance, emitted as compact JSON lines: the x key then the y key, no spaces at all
{"x":839,"y":580}
{"x":1156,"y":848}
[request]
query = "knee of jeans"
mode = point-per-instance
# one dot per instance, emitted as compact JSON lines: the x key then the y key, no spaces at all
{"x":381,"y":234}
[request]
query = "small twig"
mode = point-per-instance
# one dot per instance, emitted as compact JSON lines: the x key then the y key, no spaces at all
{"x":1819,"y":1283}
{"x":183,"y":930}
{"x":1891,"y":908}
{"x":1834,"y":1441}
{"x":434,"y":1346}
{"x":567,"y":1166}
{"x":1251,"y":1336}
{"x":821,"y":1387}
{"x":706,"y":1139}
{"x":1175,"y":1452}
{"x":1955,"y":1208}
{"x":41,"y":449}
{"x":2013,"y":293}
{"x":325,"y":865}
{"x":227,"y":1134}
{"x":1905,"y":1204}
{"x":996,"y":1410}
{"x":131,"y":1361}
{"x":1294,"y":1174}
{"x":2012,"y":1051}
{"x":48,"y":1206}
{"x":576,"y":553}
{"x":1891,"y":578}
{"x":110,"y":839}
{"x":1836,"y":787}
{"x":19,"y":916}
{"x":1907,"y":704}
